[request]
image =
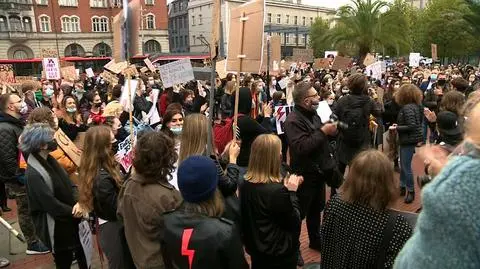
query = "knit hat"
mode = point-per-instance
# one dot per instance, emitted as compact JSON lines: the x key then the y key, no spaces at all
{"x":447,"y":123}
{"x":197,"y":178}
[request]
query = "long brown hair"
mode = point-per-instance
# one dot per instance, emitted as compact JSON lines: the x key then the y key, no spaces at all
{"x":65,"y":115}
{"x":194,"y":137}
{"x":265,"y":160}
{"x":370,"y":181}
{"x":97,"y":154}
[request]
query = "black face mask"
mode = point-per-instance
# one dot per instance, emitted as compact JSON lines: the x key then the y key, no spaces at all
{"x":441,"y":82}
{"x":282,"y":102}
{"x":52,"y":145}
{"x":97,"y":105}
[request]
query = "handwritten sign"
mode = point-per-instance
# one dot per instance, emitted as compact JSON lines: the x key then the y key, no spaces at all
{"x":375,"y":70}
{"x":69,"y":73}
{"x":124,"y":154}
{"x":414,"y":59}
{"x":115,"y":67}
{"x":176,"y":72}
{"x":281,"y":113}
{"x":341,"y":63}
{"x":150,"y":65}
{"x":68,"y":147}
{"x":89,"y":72}
{"x":130,"y":71}
{"x":49,"y":53}
{"x":109,"y":77}
{"x":322,"y":63}
{"x":51,"y":68}
{"x":86,"y":239}
{"x":303,"y":55}
{"x":6,"y":74}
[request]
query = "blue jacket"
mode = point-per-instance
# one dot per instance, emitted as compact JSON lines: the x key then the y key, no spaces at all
{"x":447,"y":234}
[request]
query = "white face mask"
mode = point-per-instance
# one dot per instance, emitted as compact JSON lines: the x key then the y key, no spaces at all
{"x":274,"y":82}
{"x":24,"y":108}
{"x":345,"y":91}
{"x":396,"y":86}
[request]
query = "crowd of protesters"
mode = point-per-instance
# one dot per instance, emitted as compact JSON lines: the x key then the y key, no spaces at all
{"x":182,"y":205}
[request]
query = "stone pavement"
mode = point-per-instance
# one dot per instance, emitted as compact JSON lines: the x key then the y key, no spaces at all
{"x":20,"y":260}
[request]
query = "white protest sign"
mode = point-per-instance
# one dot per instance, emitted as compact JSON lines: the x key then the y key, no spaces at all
{"x":176,"y":72}
{"x":124,"y":101}
{"x":334,"y":53}
{"x":86,"y":240}
{"x":77,"y":71}
{"x":51,"y":68}
{"x":283,"y":83}
{"x":281,"y":113}
{"x":374,"y":70}
{"x":124,"y":154}
{"x":324,"y":111}
{"x":89,"y":72}
{"x":414,"y":59}
{"x":153,"y":115}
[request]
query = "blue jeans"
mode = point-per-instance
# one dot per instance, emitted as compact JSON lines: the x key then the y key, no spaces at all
{"x":406,"y":173}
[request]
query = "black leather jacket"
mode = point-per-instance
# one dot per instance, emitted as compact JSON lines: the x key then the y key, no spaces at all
{"x":105,"y":196}
{"x":195,"y":241}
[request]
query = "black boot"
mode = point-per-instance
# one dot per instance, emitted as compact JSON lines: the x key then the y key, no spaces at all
{"x":403,"y":191}
{"x":410,"y":197}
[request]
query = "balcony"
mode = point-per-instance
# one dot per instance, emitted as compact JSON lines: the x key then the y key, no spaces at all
{"x":17,"y":36}
{"x":15,"y":6}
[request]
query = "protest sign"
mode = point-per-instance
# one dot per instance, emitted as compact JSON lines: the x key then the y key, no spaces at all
{"x":322,"y":63}
{"x":434,"y":52}
{"x":130,"y":71}
{"x":112,"y":79}
{"x":153,"y":116}
{"x":115,"y":67}
{"x":324,"y":111}
{"x":375,"y":70}
{"x":281,"y":113}
{"x":68,"y":147}
{"x":283,"y":83}
{"x":341,"y":63}
{"x":86,"y":240}
{"x":334,"y":53}
{"x":275,"y":52}
{"x":89,"y":72}
{"x":246,"y":47}
{"x":414,"y":59}
{"x":220,"y":68}
{"x":302,"y":55}
{"x":48,"y":53}
{"x":6,"y":74}
{"x":369,"y":59}
{"x":150,"y":65}
{"x":51,"y":68}
{"x":69,"y":73}
{"x":176,"y":72}
{"x":125,"y":153}
{"x":144,"y":70}
{"x":124,"y":100}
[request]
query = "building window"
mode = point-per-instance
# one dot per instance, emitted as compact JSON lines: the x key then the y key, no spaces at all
{"x":42,"y":2}
{"x":150,"y":22}
{"x":287,"y":38}
{"x":20,"y":54}
{"x":3,"y":24}
{"x":27,"y":24}
{"x":193,"y":20}
{"x":102,"y":50}
{"x":186,"y":40}
{"x":174,"y":23}
{"x":98,"y":3}
{"x":15,"y":24}
{"x":149,"y":2}
{"x":116,"y":3}
{"x":295,"y":20}
{"x":68,"y":3}
{"x":303,"y":39}
{"x":70,"y":24}
{"x":99,"y":24}
{"x":269,"y":17}
{"x":279,"y":18}
{"x":44,"y":23}
{"x":152,"y":46}
{"x":181,"y":41}
{"x":200,"y":19}
{"x":304,"y":23}
{"x":185,"y":21}
{"x":311,"y":20}
{"x":176,"y":42}
{"x":287,"y":19}
{"x":180,"y":23}
{"x":74,"y":50}
{"x":193,"y":39}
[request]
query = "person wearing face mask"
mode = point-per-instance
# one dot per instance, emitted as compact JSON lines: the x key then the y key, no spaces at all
{"x":257,"y":99}
{"x":310,"y":157}
{"x":140,"y":102}
{"x":11,"y":127}
{"x":28,"y":89}
{"x":95,"y":112}
{"x":187,"y":102}
{"x":173,"y":123}
{"x":69,"y":119}
{"x":46,"y":96}
{"x":272,"y":88}
{"x":51,"y":197}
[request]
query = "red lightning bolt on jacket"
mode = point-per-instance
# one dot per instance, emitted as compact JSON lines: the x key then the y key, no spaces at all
{"x":187,"y":234}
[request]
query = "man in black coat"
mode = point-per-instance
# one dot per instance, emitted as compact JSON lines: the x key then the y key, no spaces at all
{"x":310,"y":156}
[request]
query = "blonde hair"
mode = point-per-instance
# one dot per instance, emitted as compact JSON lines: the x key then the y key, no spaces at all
{"x":230,"y":87}
{"x":194,"y":137}
{"x":265,"y":160}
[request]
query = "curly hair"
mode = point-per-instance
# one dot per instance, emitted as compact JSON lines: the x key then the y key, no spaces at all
{"x":154,"y":157}
{"x":42,"y":115}
{"x":408,"y":94}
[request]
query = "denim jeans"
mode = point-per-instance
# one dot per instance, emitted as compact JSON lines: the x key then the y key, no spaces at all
{"x":406,"y":174}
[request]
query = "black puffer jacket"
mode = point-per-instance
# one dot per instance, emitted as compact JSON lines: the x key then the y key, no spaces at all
{"x":410,"y":119}
{"x":196,"y":241}
{"x":10,"y":130}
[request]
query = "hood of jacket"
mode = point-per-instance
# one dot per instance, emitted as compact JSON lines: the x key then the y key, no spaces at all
{"x":7,"y":118}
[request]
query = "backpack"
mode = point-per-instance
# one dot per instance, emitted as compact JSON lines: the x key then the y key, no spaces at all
{"x":223,"y":133}
{"x":358,"y":122}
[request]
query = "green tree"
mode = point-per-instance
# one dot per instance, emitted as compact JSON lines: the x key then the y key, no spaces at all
{"x":318,"y":34}
{"x":473,"y":17}
{"x":364,"y":25}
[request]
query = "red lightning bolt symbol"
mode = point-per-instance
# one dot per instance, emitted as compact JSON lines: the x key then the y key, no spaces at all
{"x":280,"y":112}
{"x":187,"y":234}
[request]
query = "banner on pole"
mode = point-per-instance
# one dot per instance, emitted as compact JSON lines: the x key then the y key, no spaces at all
{"x":177,"y":72}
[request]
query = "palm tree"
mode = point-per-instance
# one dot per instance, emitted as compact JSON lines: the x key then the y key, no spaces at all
{"x":473,"y":17}
{"x":365,"y":25}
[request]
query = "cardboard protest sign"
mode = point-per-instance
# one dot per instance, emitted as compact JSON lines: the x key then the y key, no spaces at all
{"x":281,"y":113}
{"x":112,"y":79}
{"x":144,"y":70}
{"x":116,"y":67}
{"x":51,"y":68}
{"x":66,"y":63}
{"x":150,"y":65}
{"x":130,"y":71}
{"x":369,"y":59}
{"x":69,"y":73}
{"x":176,"y":72}
{"x":153,"y":116}
{"x":322,"y":63}
{"x":303,"y":55}
{"x":49,"y":53}
{"x":245,"y":44}
{"x":220,"y":68}
{"x":124,"y":154}
{"x":375,"y":70}
{"x":21,"y":79}
{"x":89,"y":72}
{"x":341,"y":63}
{"x":68,"y":147}
{"x":434,"y":52}
{"x":6,"y":74}
{"x":275,"y":53}
{"x":414,"y":59}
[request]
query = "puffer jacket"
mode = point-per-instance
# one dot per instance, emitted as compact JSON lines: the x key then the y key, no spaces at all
{"x":410,"y":131}
{"x":193,"y":240}
{"x":10,"y":130}
{"x":61,"y":158}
